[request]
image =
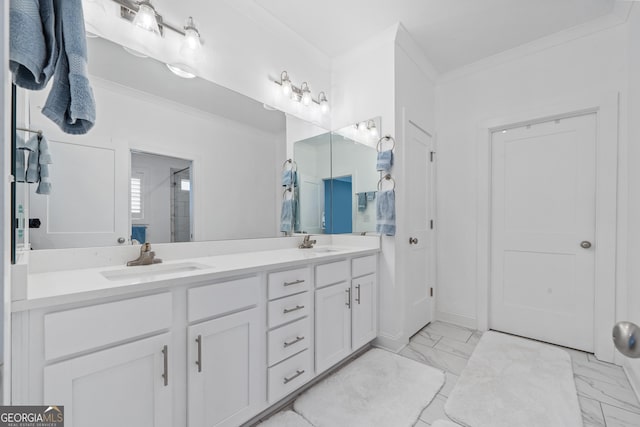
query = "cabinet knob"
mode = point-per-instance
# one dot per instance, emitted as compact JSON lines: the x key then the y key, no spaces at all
{"x":585,"y":244}
{"x":413,"y":240}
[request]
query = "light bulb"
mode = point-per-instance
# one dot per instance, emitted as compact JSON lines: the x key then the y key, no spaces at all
{"x":191,"y":43}
{"x":374,"y":131}
{"x":306,"y":94}
{"x":146,"y":18}
{"x":362,"y":126}
{"x":324,"y":104}
{"x":287,"y":90}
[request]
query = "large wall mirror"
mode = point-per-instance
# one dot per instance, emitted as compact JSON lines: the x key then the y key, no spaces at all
{"x":337,"y":180}
{"x":222,"y":150}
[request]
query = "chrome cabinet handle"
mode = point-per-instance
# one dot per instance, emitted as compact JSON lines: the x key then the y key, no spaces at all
{"x":290,"y":310}
{"x":585,"y":244}
{"x":296,"y":375}
{"x":199,"y":361}
{"x":296,"y":282}
{"x":165,"y":374}
{"x":348,"y":303}
{"x":358,"y":294}
{"x":290,"y":343}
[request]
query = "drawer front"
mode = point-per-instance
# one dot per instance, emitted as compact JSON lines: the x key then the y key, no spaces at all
{"x":363,"y":266}
{"x":335,"y":272}
{"x":289,"y":308}
{"x":289,"y":340}
{"x":289,"y":375}
{"x":288,"y":282}
{"x":81,"y":329}
{"x":224,"y":297}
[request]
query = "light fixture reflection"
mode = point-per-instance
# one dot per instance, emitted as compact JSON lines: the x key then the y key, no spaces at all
{"x":373,"y":130}
{"x":324,"y":103}
{"x":285,"y":82}
{"x":146,"y":18}
{"x":306,"y":94}
{"x":192,"y":42}
{"x":182,"y":70}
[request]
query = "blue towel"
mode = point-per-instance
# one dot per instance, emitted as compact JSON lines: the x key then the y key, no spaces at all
{"x":33,"y":52}
{"x":371,"y":195}
{"x":31,"y":146}
{"x":139,"y":233}
{"x":385,"y":161}
{"x":386,"y":213}
{"x":38,"y":163}
{"x":289,"y":178}
{"x":21,"y":157}
{"x":286,"y":216}
{"x":70,"y":103}
{"x":362,"y":202}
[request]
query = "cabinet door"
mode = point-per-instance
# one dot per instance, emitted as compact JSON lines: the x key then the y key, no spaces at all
{"x":121,"y":386}
{"x":333,"y":325}
{"x":363,"y":312}
{"x":225,"y":378}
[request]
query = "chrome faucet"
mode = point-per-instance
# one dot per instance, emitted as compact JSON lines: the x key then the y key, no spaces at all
{"x":147,"y":257}
{"x":306,"y":243}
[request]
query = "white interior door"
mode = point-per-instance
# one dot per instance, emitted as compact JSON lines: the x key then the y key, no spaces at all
{"x":419,"y":254}
{"x":543,"y":226}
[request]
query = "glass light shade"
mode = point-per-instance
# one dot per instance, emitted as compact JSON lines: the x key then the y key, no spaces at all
{"x":182,"y":70}
{"x":362,"y":126}
{"x":191,"y":43}
{"x":324,"y":106}
{"x":373,"y":130}
{"x":286,"y":87}
{"x":306,"y":98}
{"x":146,"y":18}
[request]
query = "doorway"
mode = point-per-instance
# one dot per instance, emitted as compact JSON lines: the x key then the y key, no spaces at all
{"x":543,"y":224}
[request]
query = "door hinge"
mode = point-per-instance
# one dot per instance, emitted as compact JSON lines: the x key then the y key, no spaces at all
{"x":431,"y":224}
{"x":431,"y":154}
{"x":431,"y":292}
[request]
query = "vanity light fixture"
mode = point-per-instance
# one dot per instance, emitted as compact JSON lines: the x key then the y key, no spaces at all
{"x":145,"y":17}
{"x":192,"y":42}
{"x":302,"y":94}
{"x":373,"y":130}
{"x":362,"y":126}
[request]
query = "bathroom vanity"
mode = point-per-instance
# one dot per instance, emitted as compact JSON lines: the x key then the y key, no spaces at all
{"x":199,"y":341}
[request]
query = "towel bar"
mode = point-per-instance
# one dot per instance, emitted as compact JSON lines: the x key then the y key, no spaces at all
{"x":39,"y":132}
{"x":388,"y":178}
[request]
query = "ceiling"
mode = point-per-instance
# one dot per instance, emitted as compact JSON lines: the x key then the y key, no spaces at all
{"x":451,"y":33}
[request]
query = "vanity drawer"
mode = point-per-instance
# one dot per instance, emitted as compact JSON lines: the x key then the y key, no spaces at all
{"x":363,"y":266}
{"x":224,"y":297}
{"x":81,"y":329}
{"x":289,"y":375}
{"x":288,"y":282}
{"x":289,"y":308}
{"x":335,"y":272}
{"x":288,"y":340}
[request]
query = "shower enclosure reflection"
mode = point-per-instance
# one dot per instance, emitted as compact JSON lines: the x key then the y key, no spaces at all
{"x":160,"y":198}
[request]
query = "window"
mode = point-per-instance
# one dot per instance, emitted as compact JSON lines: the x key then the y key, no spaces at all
{"x":137,"y":206}
{"x":185,"y":185}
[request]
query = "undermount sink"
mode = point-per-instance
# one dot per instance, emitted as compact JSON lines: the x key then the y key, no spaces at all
{"x":324,"y":250}
{"x":152,"y":271}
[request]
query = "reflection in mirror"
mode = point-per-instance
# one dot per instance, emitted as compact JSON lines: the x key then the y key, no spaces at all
{"x":160,"y":198}
{"x":337,"y":180}
{"x":236,"y":146}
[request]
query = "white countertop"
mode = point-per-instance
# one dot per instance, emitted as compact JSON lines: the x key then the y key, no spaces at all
{"x":70,"y":286}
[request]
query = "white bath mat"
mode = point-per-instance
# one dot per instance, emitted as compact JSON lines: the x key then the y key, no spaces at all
{"x":378,"y":389}
{"x":511,"y":381}
{"x":285,"y":419}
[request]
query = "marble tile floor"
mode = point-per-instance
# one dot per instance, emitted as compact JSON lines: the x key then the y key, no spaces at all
{"x":605,"y":395}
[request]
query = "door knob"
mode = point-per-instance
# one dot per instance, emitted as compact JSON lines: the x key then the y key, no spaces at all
{"x":413,"y":240}
{"x":585,"y":244}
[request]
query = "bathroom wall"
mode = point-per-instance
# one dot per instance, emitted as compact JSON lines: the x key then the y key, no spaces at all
{"x":235,"y":167}
{"x":633,"y":254}
{"x":582,"y":62}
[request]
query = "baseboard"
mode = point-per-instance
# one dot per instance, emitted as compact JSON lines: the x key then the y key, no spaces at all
{"x":633,"y":374}
{"x":456,"y":319}
{"x":391,"y":343}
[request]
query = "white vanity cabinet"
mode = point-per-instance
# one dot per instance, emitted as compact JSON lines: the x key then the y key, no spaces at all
{"x":346,"y":311}
{"x":134,"y":378}
{"x":224,"y":355}
{"x":132,"y":383}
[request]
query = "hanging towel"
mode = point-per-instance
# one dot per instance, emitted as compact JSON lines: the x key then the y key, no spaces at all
{"x":362,"y":202}
{"x":386,"y":212}
{"x":38,"y":163}
{"x":385,"y":161}
{"x":70,"y":103}
{"x":30,"y":147}
{"x":289,"y":178}
{"x":139,"y":233}
{"x":286,"y":216}
{"x":371,"y":195}
{"x":33,"y":51}
{"x":21,"y":157}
